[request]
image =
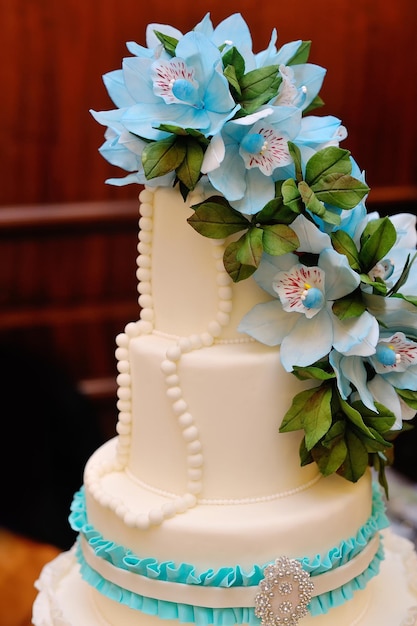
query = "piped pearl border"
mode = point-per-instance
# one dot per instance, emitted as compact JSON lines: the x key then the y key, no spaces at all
{"x":169,"y":367}
{"x":186,"y":422}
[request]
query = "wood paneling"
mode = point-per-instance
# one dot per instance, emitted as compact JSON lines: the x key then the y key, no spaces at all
{"x":54,"y":54}
{"x":67,"y":288}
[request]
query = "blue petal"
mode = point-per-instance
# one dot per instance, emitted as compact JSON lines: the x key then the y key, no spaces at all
{"x":232,"y":187}
{"x":235,"y":30}
{"x":200,"y":54}
{"x":137,"y":78}
{"x":260,"y":189}
{"x":403,"y":380}
{"x":270,"y":266}
{"x":343,"y":381}
{"x":152,"y":40}
{"x":309,"y":340}
{"x":312,"y":77}
{"x":115,"y":85}
{"x":353,"y":368}
{"x":357,"y":335}
{"x":268,"y":323}
{"x":386,"y":395}
{"x":394,"y":313}
{"x":311,"y":238}
{"x":318,"y":130}
{"x":405,"y":225}
{"x":340,"y":278}
{"x":112,"y":119}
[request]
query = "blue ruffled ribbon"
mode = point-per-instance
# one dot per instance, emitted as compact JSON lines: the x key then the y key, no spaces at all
{"x":185,"y":573}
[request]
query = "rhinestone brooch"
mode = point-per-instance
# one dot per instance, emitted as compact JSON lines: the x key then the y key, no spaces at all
{"x":284,"y":593}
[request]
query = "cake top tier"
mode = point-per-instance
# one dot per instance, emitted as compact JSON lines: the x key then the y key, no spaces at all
{"x":201,"y":111}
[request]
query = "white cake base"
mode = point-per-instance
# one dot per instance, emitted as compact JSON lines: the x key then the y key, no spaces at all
{"x":64,"y":599}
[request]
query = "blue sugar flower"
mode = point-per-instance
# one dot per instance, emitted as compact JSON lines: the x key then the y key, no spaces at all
{"x":253,"y":148}
{"x":189,"y":90}
{"x":375,"y":378}
{"x":300,"y":83}
{"x":300,"y":319}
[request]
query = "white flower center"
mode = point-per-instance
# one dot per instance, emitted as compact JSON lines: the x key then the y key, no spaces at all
{"x":265,"y":149}
{"x":174,"y":82}
{"x":394,"y":353}
{"x":301,"y":289}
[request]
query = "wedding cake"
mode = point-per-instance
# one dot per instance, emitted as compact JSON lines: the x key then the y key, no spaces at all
{"x":272,"y":367}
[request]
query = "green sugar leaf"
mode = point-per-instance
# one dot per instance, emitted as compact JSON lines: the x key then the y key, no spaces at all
{"x":356,"y":461}
{"x":215,"y":218}
{"x":296,"y":156}
{"x":233,"y":59}
{"x":163,"y":156}
{"x":344,"y":244}
{"x":340,"y":190}
{"x":315,"y":205}
{"x":376,"y":242}
{"x":310,"y":199}
{"x":317,"y":415}
{"x":274,"y":212}
{"x":354,"y":416}
{"x":236,"y":270}
{"x":311,"y":411}
{"x":291,"y":196}
{"x":301,"y":55}
{"x":327,"y":161}
{"x":409,"y":397}
{"x":188,"y":171}
{"x":249,"y":248}
{"x":312,"y":372}
{"x":349,"y":306}
{"x":259,"y":85}
{"x":230,"y":74}
{"x":377,"y":285}
{"x":169,"y":43}
{"x":279,"y":239}
{"x":331,"y":454}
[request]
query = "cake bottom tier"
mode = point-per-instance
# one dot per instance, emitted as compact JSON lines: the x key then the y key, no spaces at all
{"x":65,"y":599}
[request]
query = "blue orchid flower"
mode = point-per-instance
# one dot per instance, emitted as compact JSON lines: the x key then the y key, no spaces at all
{"x":376,"y":378}
{"x":300,"y":318}
{"x":189,"y":90}
{"x":255,"y":149}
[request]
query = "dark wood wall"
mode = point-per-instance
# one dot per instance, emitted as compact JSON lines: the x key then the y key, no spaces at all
{"x":67,"y":240}
{"x":54,"y":54}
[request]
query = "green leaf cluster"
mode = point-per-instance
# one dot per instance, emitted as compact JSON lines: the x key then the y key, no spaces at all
{"x":181,"y":152}
{"x":327,"y":186}
{"x":215,"y":218}
{"x":341,"y":437}
{"x":376,"y":241}
{"x":327,"y":178}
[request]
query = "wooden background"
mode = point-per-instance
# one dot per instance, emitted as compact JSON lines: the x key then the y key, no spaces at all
{"x":54,"y":54}
{"x":68,"y":241}
{"x":67,"y":282}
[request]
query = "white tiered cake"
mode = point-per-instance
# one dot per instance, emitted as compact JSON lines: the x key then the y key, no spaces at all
{"x":199,"y":511}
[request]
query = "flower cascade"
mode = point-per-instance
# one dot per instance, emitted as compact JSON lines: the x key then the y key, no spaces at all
{"x":203,"y":108}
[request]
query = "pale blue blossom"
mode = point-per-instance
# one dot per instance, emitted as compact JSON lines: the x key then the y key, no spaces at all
{"x":300,"y":318}
{"x":375,"y":378}
{"x":255,"y":149}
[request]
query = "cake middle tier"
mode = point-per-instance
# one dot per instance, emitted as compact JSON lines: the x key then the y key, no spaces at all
{"x":211,"y":535}
{"x":206,"y":421}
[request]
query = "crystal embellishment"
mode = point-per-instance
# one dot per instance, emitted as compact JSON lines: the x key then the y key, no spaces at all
{"x":284,"y":593}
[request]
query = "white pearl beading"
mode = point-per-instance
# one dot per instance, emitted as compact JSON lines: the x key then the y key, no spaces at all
{"x":169,"y":366}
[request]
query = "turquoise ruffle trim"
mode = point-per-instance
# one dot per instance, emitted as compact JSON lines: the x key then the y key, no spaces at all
{"x":224,"y":577}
